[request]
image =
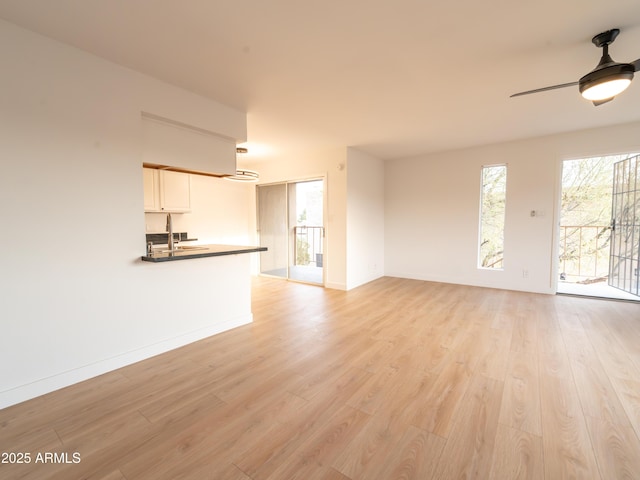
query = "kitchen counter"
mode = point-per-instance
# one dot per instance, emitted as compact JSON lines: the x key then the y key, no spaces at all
{"x":199,"y":251}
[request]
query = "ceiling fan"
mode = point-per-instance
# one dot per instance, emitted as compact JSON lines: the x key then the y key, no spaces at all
{"x":604,"y":82}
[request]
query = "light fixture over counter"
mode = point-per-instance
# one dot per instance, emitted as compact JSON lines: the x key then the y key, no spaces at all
{"x":242,"y":174}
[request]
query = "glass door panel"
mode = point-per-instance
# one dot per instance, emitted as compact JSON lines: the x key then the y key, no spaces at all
{"x":625,"y":226}
{"x":272,"y":226}
{"x":306,"y":258}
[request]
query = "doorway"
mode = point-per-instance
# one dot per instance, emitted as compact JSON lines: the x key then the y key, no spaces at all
{"x":291,"y":226}
{"x":586,"y":254}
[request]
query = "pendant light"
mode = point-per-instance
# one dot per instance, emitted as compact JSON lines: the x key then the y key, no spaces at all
{"x":243,"y":174}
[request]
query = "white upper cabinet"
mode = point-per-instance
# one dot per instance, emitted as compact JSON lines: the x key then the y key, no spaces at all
{"x":175,"y":191}
{"x":171,"y":144}
{"x":166,"y":191}
{"x":151,"y":190}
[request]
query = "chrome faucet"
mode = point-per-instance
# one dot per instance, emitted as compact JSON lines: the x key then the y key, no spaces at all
{"x":170,"y":231}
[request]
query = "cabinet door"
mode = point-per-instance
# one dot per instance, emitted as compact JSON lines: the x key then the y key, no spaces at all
{"x":175,"y":191}
{"x":151,"y":190}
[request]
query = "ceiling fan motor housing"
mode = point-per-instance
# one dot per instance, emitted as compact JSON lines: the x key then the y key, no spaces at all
{"x":605,"y":38}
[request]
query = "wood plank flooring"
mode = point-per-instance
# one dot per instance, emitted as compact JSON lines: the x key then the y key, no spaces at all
{"x":398,"y":379}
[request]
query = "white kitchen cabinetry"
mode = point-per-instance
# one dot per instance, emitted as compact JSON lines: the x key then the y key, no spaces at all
{"x":175,"y":191}
{"x":166,"y":191}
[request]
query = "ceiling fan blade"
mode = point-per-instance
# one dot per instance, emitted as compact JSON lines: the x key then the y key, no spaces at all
{"x":537,"y":90}
{"x":636,"y":64}
{"x":600,"y":102}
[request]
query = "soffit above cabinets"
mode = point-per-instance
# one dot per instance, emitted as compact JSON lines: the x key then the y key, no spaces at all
{"x":174,"y":146}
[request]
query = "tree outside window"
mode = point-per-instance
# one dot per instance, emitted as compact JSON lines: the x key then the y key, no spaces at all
{"x":492,"y":216}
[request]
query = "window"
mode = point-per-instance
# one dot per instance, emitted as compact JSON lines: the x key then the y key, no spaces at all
{"x":493,"y":199}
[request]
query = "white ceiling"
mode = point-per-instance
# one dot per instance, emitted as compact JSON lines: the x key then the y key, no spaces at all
{"x":393,"y":78}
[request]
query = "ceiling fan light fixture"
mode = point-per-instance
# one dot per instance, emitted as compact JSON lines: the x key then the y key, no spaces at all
{"x":606,"y":82}
{"x":606,"y":90}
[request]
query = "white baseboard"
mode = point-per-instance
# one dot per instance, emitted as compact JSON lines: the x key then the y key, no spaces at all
{"x":64,"y":379}
{"x":336,"y":286}
{"x":503,"y":284}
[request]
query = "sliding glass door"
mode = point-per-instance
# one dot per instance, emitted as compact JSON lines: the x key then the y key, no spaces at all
{"x":291,"y":226}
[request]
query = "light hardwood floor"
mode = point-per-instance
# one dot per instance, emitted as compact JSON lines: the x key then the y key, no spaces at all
{"x":398,"y":379}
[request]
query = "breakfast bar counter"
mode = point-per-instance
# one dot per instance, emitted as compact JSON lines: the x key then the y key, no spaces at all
{"x":198,"y":251}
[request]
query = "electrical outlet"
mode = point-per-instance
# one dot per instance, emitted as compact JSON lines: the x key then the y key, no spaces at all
{"x":525,"y":273}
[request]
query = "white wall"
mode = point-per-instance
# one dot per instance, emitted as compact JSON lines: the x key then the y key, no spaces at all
{"x":330,"y":164}
{"x":75,"y":298}
{"x":365,"y":218}
{"x":432,"y":208}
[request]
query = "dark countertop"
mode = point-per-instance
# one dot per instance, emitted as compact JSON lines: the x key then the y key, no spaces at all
{"x":199,"y":251}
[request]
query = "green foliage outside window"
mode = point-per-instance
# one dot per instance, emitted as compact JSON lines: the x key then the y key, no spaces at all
{"x":492,"y":216}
